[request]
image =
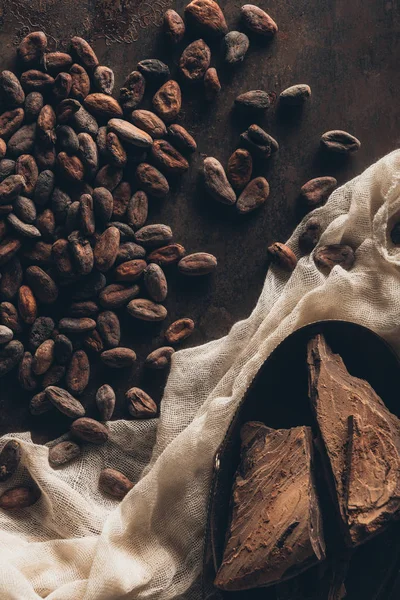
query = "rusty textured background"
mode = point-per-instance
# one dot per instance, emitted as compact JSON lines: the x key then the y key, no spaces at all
{"x":346,"y":50}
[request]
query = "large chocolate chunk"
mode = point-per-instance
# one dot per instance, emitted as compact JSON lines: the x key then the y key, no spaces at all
{"x":276,"y":529}
{"x":361,"y":444}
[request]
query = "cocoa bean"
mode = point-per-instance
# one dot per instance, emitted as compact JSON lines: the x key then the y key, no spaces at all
{"x":146,"y":310}
{"x":45,"y":157}
{"x":33,"y":105}
{"x":24,"y":229}
{"x":207,"y":16}
{"x":126,"y":233}
{"x":255,"y":100}
{"x":7,"y":168}
{"x":89,"y":287}
{"x":259,"y":142}
{"x":39,"y":254}
{"x":62,"y":86}
{"x":327,"y":257}
{"x":10,"y":457}
{"x":318,"y":190}
{"x":179,"y":330}
{"x":195,"y":60}
{"x":60,"y":202}
{"x":82,"y":253}
{"x":114,"y":483}
{"x":155,"y":283}
{"x":282,"y":256}
{"x":167,"y":158}
{"x":67,"y":139}
{"x":86,"y":214}
{"x":46,"y":224}
{"x":130,"y":134}
{"x":55,"y":62}
{"x":11,"y":279}
{"x":84,"y":52}
{"x":181,"y":138}
{"x":149,"y":122}
{"x":10,"y":355}
{"x":154,"y":70}
{"x":64,"y":402}
{"x":88,"y":154}
{"x":235,"y":46}
{"x":216,"y":181}
{"x":102,"y":204}
{"x":62,"y":257}
{"x":131,"y":270}
{"x":153,"y":235}
{"x":8,"y":248}
{"x":254,"y":195}
{"x":140,"y":404}
{"x":340,"y":142}
{"x":19,"y":497}
{"x":93,"y":342}
{"x":42,"y":284}
{"x":106,"y":249}
{"x":167,"y":101}
{"x":71,"y":325}
{"x":44,"y":187}
{"x":108,"y":177}
{"x":167,"y":255}
{"x":62,"y":349}
{"x":258,"y":21}
{"x":240,"y":167}
{"x":160,"y":358}
{"x":115,"y":150}
{"x":41,"y":330}
{"x":129,"y":251}
{"x":87,"y":308}
{"x":6,"y":334}
{"x":121,"y":196}
{"x":132,"y":91}
{"x":66,"y":109}
{"x":9,"y":317}
{"x":105,"y":400}
{"x":10,"y":122}
{"x":25,"y":209}
{"x":46,"y":123}
{"x":53,"y":376}
{"x":83,"y":122}
{"x":70,"y":167}
{"x":39,"y":404}
{"x":26,"y":377}
{"x":137,"y":210}
{"x":118,"y":358}
{"x":309,"y":238}
{"x":27,"y":306}
{"x":11,"y":92}
{"x":174,"y":27}
{"x":103,"y":106}
{"x":199,"y":263}
{"x":11,"y":187}
{"x":43,"y":358}
{"x":117,"y":295}
{"x":109,"y":329}
{"x":32,"y":47}
{"x":78,"y":372}
{"x":36,"y":81}
{"x":103,"y":79}
{"x":295,"y":95}
{"x":152,"y":180}
{"x":63,"y":453}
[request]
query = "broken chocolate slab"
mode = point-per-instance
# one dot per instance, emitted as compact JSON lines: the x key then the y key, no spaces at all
{"x":361,"y":445}
{"x":276,"y":530}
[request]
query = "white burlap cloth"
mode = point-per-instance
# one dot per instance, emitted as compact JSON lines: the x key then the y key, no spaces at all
{"x":75,"y":544}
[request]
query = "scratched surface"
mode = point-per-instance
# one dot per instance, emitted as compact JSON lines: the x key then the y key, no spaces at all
{"x":347,"y":51}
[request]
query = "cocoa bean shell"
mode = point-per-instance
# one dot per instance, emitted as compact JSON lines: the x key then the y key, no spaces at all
{"x":18,"y":498}
{"x":114,"y":483}
{"x":118,"y":358}
{"x":63,"y":453}
{"x":64,"y":402}
{"x":42,"y":284}
{"x":159,"y":358}
{"x":105,"y":400}
{"x":199,"y":263}
{"x":146,"y":310}
{"x":10,"y":457}
{"x":78,"y":372}
{"x":140,"y":404}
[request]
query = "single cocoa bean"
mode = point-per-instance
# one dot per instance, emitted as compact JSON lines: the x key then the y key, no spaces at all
{"x":152,"y":180}
{"x":43,"y":358}
{"x":89,"y":287}
{"x":41,"y":330}
{"x":318,"y":190}
{"x":195,"y":60}
{"x":62,"y":86}
{"x":27,"y":306}
{"x":131,"y":270}
{"x":33,"y":105}
{"x":55,"y":62}
{"x":105,"y":400}
{"x":82,"y":253}
{"x":132,"y":91}
{"x":46,"y":224}
{"x":60,"y":203}
{"x":89,"y":430}
{"x":10,"y":355}
{"x":102,"y":106}
{"x":257,"y":21}
{"x":7,"y":167}
{"x":46,"y":123}
{"x":259,"y":142}
{"x":216,"y":181}
{"x":130,"y":134}
{"x":106,"y":249}
{"x":6,"y":334}
{"x":11,"y":279}
{"x":295,"y":95}
{"x":149,"y":122}
{"x":154,"y":70}
{"x":70,"y":167}
{"x":83,"y":51}
{"x":8,"y":248}
{"x":108,"y":177}
{"x":88,"y":154}
{"x":126,"y":233}
{"x":146,"y":310}
{"x":64,"y":402}
{"x":340,"y":142}
{"x":62,"y":257}
{"x":10,"y":122}
{"x":115,"y":150}
{"x":93,"y":342}
{"x":53,"y":376}
{"x":78,"y":373}
{"x":32,"y":47}
{"x":36,"y":81}
{"x":71,"y":325}
{"x":87,"y":308}
{"x":44,"y":187}
{"x":179,"y":330}
{"x":309,"y":238}
{"x":167,"y":101}
{"x":109,"y":328}
{"x":118,"y":358}
{"x":9,"y":317}
{"x":199,"y":263}
{"x":39,"y":254}
{"x":254,"y":195}
{"x":42,"y":284}
{"x":45,"y":157}
{"x":155,"y":283}
{"x":102,"y":204}
{"x":174,"y":27}
{"x":235,"y":46}
{"x":62,"y":349}
{"x":167,"y":255}
{"x":67,"y":139}
{"x":19,"y":497}
{"x":66,"y":109}
{"x":181,"y":138}
{"x":167,"y":158}
{"x":25,"y":209}
{"x":140,"y":404}
{"x":10,"y":188}
{"x":11,"y":92}
{"x":327,"y":257}
{"x":129,"y":251}
{"x":121,"y":196}
{"x":282,"y":256}
{"x":103,"y":79}
{"x":153,"y":235}
{"x":86,"y":214}
{"x":40,"y":404}
{"x":114,"y":483}
{"x":83,"y":122}
{"x":240,"y":167}
{"x":10,"y":457}
{"x":117,"y":295}
{"x":63,"y":453}
{"x":207,"y":16}
{"x":22,"y":141}
{"x":255,"y":100}
{"x":160,"y":358}
{"x":137,"y":210}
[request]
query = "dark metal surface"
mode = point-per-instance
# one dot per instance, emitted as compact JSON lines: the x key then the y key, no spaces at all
{"x":347,"y":52}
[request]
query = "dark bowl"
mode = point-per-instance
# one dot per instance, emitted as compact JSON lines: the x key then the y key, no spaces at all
{"x":278,"y":396}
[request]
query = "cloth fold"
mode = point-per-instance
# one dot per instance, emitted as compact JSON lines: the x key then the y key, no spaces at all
{"x":76,"y":543}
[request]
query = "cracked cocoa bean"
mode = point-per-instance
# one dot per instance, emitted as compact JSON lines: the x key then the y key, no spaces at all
{"x":240,"y":168}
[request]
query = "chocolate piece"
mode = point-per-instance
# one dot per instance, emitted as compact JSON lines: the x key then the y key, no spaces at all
{"x":276,"y":529}
{"x":361,"y":442}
